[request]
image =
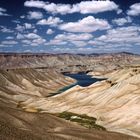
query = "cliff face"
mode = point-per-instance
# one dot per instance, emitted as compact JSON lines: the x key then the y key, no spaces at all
{"x":114,"y":102}
{"x":68,"y":62}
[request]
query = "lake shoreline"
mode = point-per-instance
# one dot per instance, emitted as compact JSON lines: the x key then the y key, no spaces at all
{"x":82,"y":79}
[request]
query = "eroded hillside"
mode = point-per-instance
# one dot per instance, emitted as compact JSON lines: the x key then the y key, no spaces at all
{"x":114,"y":102}
{"x":68,"y":62}
{"x":21,"y":84}
{"x":27,"y":112}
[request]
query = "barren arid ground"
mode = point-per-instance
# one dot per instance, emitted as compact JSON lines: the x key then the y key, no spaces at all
{"x":105,"y":110}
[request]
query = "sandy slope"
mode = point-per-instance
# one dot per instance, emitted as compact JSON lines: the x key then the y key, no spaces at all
{"x":16,"y":124}
{"x":115,"y":101}
{"x":21,"y":84}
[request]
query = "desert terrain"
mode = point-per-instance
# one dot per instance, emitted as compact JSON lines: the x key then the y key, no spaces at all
{"x":105,"y":110}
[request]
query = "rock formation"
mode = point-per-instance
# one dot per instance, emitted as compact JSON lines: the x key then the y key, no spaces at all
{"x":27,"y":112}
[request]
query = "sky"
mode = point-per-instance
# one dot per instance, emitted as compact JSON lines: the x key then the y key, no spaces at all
{"x":70,"y":26}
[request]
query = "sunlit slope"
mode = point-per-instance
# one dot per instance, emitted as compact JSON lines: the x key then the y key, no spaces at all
{"x":115,"y":102}
{"x":18,"y":125}
{"x":69,"y":62}
{"x":21,"y":84}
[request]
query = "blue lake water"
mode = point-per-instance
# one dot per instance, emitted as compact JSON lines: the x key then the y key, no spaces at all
{"x":82,"y":80}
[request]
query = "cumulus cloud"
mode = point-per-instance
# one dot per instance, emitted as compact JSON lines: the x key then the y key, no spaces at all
{"x":9,"y":37}
{"x":5,"y":29}
{"x":36,"y":3}
{"x":28,"y":26}
{"x":56,"y":42}
{"x":3,"y":12}
{"x":77,"y":40}
{"x":20,"y":28}
{"x":84,"y":7}
{"x":16,"y":21}
{"x":87,"y":24}
{"x":39,"y":41}
{"x":121,"y":37}
{"x":35,"y":15}
{"x":22,"y":17}
{"x":49,"y":31}
{"x":31,"y":39}
{"x":134,"y":10}
{"x":79,"y":43}
{"x":93,"y":6}
{"x":52,"y":21}
{"x":73,"y":37}
{"x":32,"y":36}
{"x":122,"y":21}
{"x":20,"y":36}
{"x":25,"y":26}
{"x":27,"y":42}
{"x":128,"y":34}
{"x":9,"y":42}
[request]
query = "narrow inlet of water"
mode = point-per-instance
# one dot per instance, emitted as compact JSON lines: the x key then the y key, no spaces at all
{"x":82,"y":79}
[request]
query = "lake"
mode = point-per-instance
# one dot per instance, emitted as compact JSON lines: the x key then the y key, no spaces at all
{"x":82,"y":80}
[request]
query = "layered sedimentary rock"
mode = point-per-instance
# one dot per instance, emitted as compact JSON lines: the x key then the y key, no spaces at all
{"x":24,"y":101}
{"x":21,"y":84}
{"x":20,"y":123}
{"x":68,"y":62}
{"x":114,"y":102}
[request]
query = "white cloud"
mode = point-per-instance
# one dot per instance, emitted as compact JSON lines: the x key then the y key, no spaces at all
{"x":134,"y":10}
{"x":20,"y":36}
{"x":5,"y":30}
{"x":125,"y":37}
{"x":77,"y":40}
{"x":28,"y":42}
{"x":32,"y":36}
{"x":73,"y":37}
{"x":49,"y":31}
{"x":22,"y":17}
{"x":35,"y":30}
{"x":56,"y":42}
{"x":35,"y":15}
{"x":25,"y":26}
{"x":3,"y":12}
{"x":122,"y":21}
{"x":96,"y":6}
{"x":28,"y":26}
{"x":33,"y":39}
{"x":39,"y":41}
{"x":88,"y":24}
{"x":53,"y":21}
{"x":57,"y":8}
{"x":16,"y":21}
{"x":20,"y":28}
{"x":9,"y":42}
{"x":79,"y":43}
{"x":36,"y":3}
{"x":84,"y":7}
{"x":1,"y":45}
{"x":9,"y":37}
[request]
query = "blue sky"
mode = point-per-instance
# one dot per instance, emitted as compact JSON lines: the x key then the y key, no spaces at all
{"x":69,"y":26}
